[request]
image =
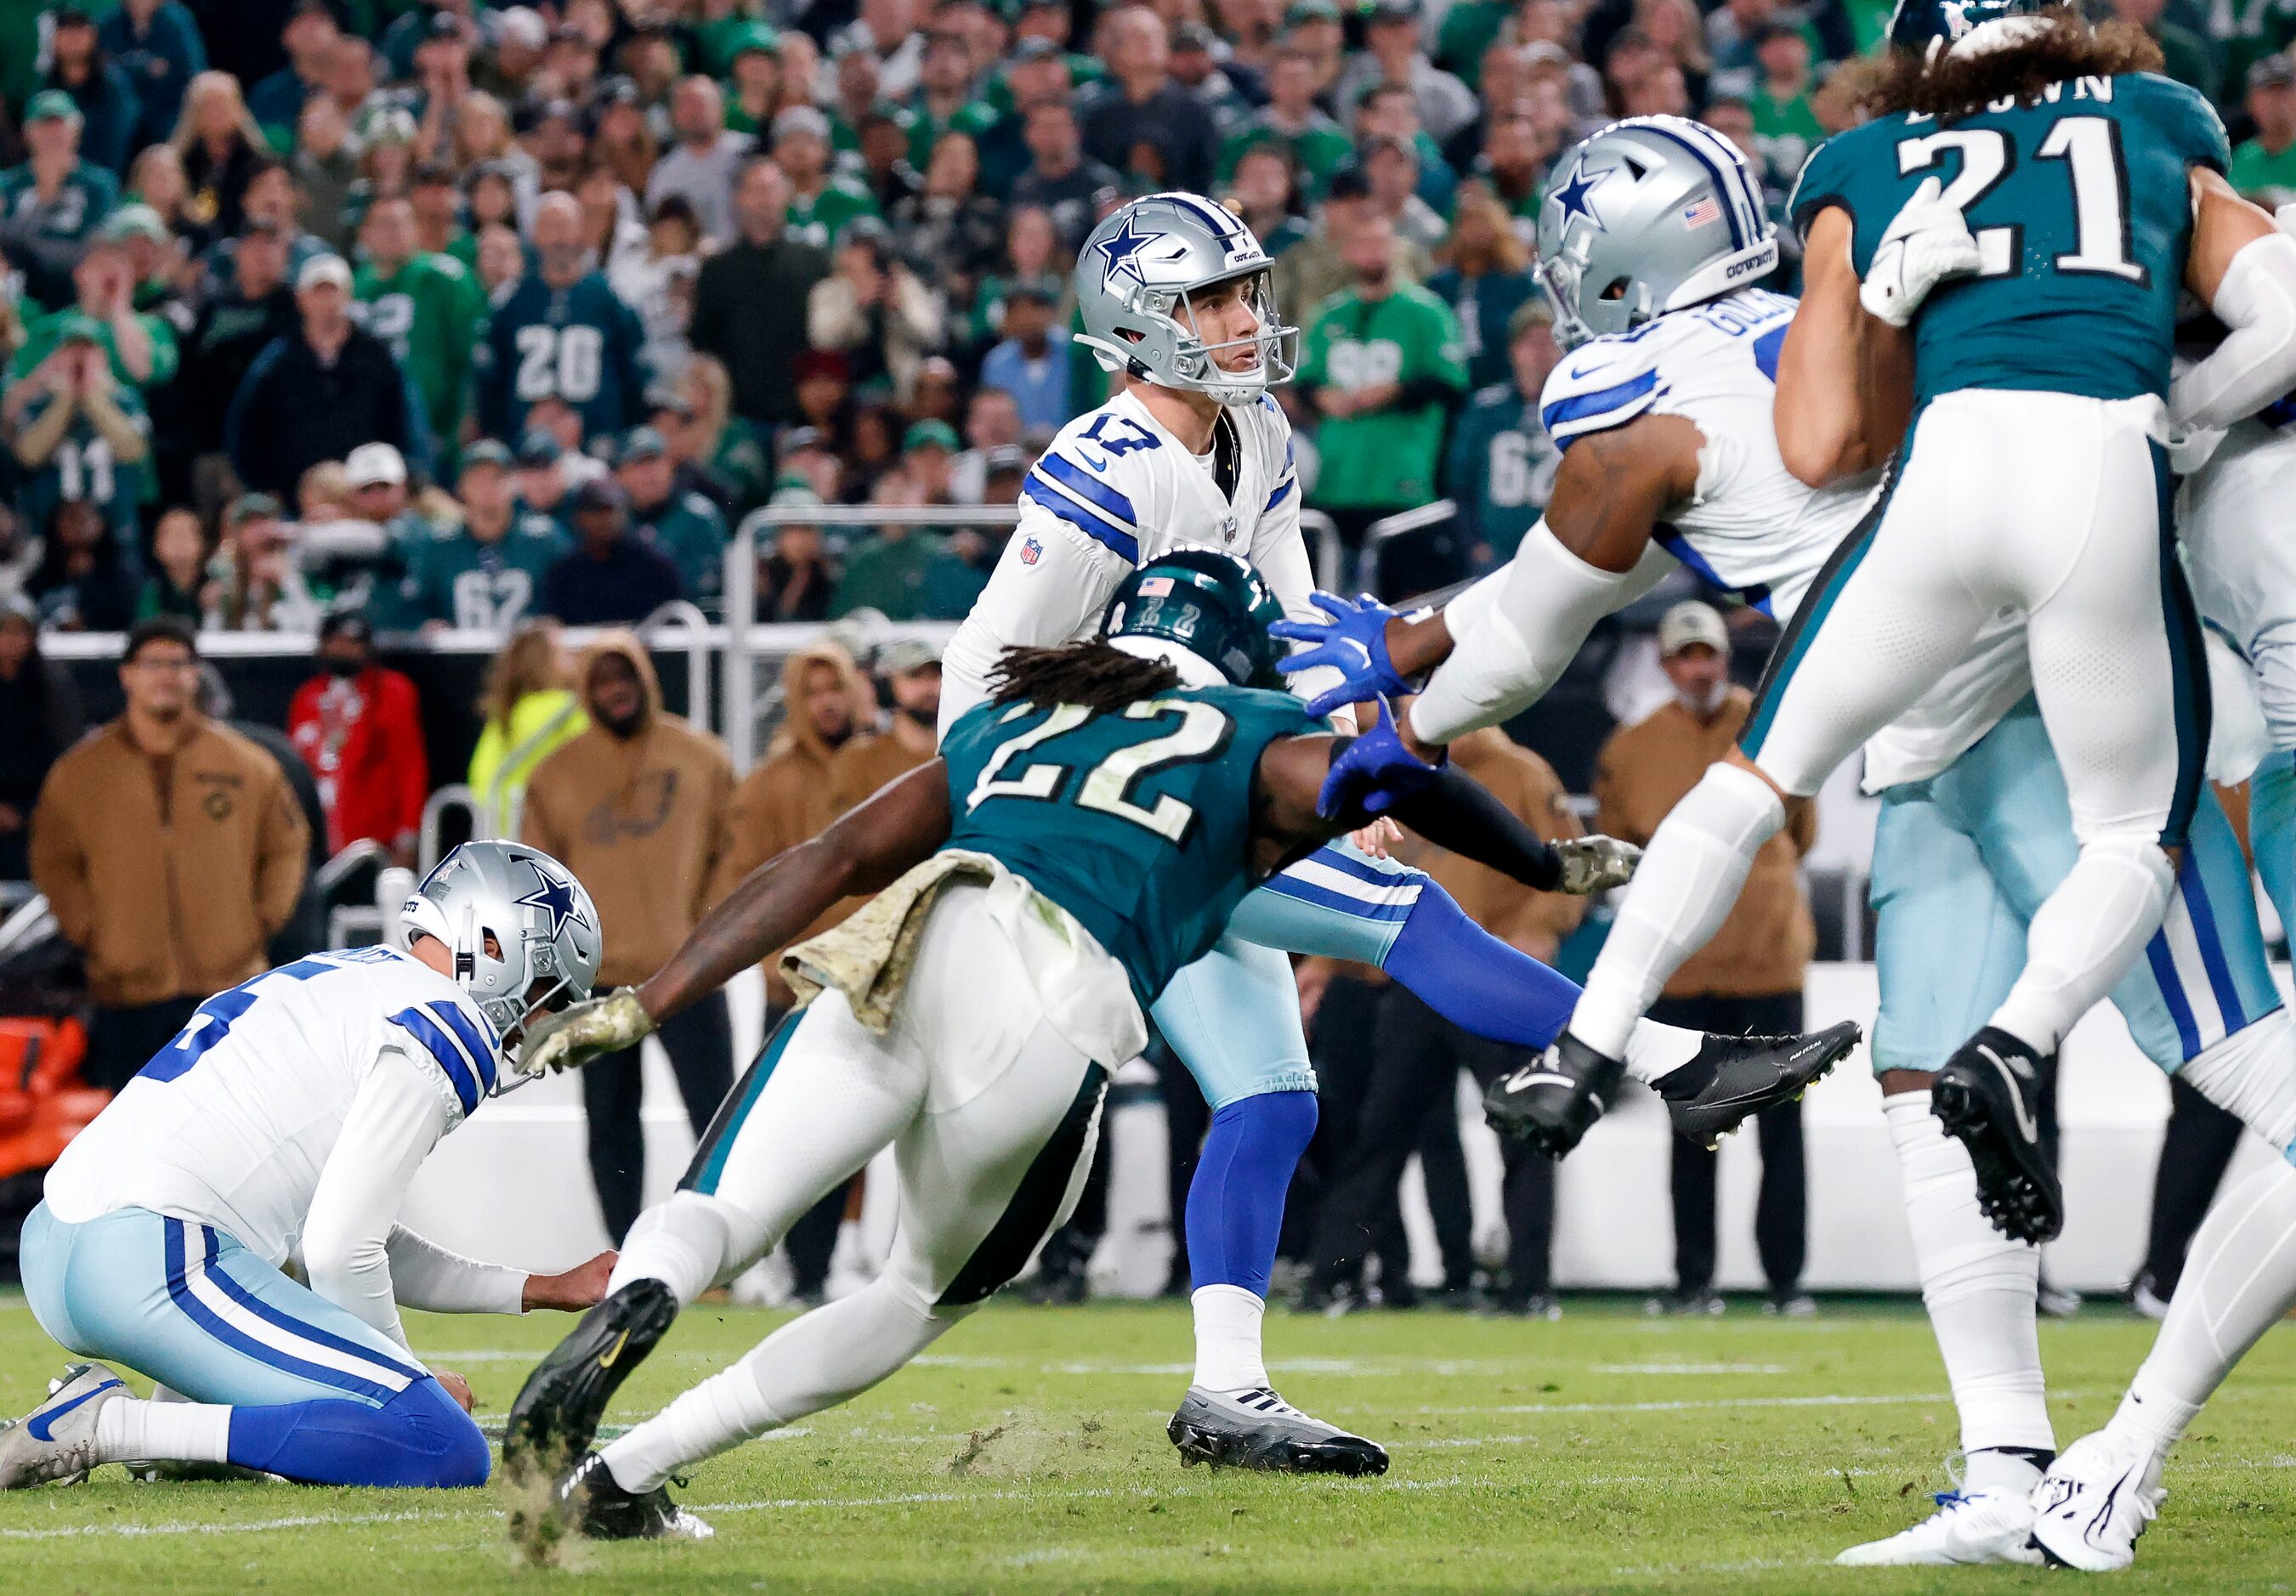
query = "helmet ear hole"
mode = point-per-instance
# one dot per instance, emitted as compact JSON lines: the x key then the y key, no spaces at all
{"x":1616,"y":289}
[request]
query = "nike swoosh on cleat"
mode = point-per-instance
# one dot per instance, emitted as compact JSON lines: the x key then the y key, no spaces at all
{"x":1523,"y":1080}
{"x":42,"y":1424}
{"x":2025,"y":1126}
{"x":606,"y":1358}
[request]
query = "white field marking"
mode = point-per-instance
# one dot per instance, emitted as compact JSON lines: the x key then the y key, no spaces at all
{"x":252,"y":1527}
{"x":1688,"y":1368}
{"x":1753,"y":1565}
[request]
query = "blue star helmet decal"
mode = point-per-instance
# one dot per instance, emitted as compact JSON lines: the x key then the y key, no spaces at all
{"x":1572,"y":195}
{"x":1119,"y":250}
{"x":555,"y":898}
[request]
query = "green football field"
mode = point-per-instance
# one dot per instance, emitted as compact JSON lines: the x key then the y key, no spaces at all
{"x":1607,"y":1451}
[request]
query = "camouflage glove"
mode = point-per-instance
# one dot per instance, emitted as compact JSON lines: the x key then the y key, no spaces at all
{"x":588,"y":1030}
{"x":1592,"y":864}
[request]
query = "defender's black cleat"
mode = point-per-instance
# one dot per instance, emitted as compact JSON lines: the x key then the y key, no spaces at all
{"x":1548,"y":1103}
{"x":558,"y":1408}
{"x":1746,"y":1074}
{"x":1988,"y":1099}
{"x":1258,"y":1429}
{"x":602,"y":1511}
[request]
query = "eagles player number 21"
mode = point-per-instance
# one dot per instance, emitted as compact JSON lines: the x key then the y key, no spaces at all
{"x":2090,"y":147}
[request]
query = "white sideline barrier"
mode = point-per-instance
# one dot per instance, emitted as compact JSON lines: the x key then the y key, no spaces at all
{"x":513,"y":1185}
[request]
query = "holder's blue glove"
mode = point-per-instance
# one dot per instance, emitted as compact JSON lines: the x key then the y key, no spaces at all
{"x":1354,"y":641}
{"x":1372,"y":773}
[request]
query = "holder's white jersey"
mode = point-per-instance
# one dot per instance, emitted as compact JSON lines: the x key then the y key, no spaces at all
{"x":2243,"y":564}
{"x":234,"y":1122}
{"x":1114,"y":491}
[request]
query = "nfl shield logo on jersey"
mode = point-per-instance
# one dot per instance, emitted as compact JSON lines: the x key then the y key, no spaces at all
{"x":1031,"y":551}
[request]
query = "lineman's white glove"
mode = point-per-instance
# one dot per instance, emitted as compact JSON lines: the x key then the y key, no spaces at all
{"x":585,"y":1031}
{"x":1592,"y":864}
{"x":1926,"y":242}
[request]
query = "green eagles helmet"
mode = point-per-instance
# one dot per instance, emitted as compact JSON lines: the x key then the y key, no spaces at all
{"x":1926,"y":27}
{"x":1216,"y":606}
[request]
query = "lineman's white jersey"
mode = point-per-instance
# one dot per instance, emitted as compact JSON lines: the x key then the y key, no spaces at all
{"x":2243,"y":563}
{"x":1114,"y":491}
{"x":241,"y":1122}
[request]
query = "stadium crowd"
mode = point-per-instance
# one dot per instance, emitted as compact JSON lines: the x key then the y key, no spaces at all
{"x":364,"y":317}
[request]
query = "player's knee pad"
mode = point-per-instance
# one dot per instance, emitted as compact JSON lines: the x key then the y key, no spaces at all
{"x":1738,"y":805}
{"x":2252,"y":1074}
{"x":2001,"y":1265}
{"x":689,"y":1243}
{"x":2138,"y":849}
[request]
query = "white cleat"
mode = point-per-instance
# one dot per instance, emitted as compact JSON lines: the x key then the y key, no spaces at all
{"x":2098,"y":1497}
{"x":54,"y":1444}
{"x":1969,"y":1526}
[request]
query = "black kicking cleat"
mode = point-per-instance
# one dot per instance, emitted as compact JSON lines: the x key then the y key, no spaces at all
{"x":603,"y":1510}
{"x":1258,"y":1429}
{"x":558,"y":1408}
{"x":1746,"y":1074}
{"x":1988,"y":1099}
{"x":1548,"y":1103}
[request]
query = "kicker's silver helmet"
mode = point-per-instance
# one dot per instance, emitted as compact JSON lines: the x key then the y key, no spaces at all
{"x":544,"y":925}
{"x":1135,"y":276}
{"x":1648,"y":215}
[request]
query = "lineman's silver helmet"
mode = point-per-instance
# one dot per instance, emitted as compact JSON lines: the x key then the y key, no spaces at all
{"x":1134,"y":279}
{"x":543,"y":925}
{"x":1648,"y":215}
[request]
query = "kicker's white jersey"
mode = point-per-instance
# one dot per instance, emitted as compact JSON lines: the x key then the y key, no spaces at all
{"x":1114,"y":491}
{"x":231,"y":1124}
{"x":2232,"y":518}
{"x":1750,"y":528}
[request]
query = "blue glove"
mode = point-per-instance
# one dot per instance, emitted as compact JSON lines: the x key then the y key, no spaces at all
{"x":1354,"y":641}
{"x":1374,"y":773}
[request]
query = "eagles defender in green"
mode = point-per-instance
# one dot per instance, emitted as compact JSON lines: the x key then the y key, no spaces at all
{"x":1086,"y":833}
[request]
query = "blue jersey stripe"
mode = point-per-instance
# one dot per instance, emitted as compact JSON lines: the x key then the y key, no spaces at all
{"x":480,"y":1050}
{"x":179,"y":1291}
{"x":2172,"y":992}
{"x":1324,"y":898}
{"x":1280,"y":494}
{"x":1581,"y":407}
{"x":416,"y":1023}
{"x":2212,"y":952}
{"x":1090,"y":489}
{"x":1046,"y":497}
{"x":1366,"y":870}
{"x":1674,"y":543}
{"x":274,"y":1315}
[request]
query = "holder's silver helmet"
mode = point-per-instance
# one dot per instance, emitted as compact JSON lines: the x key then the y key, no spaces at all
{"x":1136,"y":272}
{"x":543,"y":926}
{"x":1648,"y":215}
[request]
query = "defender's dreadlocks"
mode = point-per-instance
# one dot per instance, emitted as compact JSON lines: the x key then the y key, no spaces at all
{"x":2064,"y":45}
{"x":1091,"y":674}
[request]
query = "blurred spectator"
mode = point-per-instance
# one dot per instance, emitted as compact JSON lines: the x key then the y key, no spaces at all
{"x":2187,"y":57}
{"x":1264,"y":195}
{"x":707,"y":437}
{"x":1502,"y":461}
{"x":2264,"y":167}
{"x":754,"y":77}
{"x":1318,"y":146}
{"x":82,"y":438}
{"x":1485,"y":280}
{"x":795,"y":577}
{"x":82,"y":68}
{"x":1317,"y":268}
{"x":1393,"y":57}
{"x":256,"y":586}
{"x":1513,"y":164}
{"x":1032,"y":249}
{"x":992,"y":421}
{"x":162,"y":794}
{"x":1418,"y":1055}
{"x":943,"y":102}
{"x":636,"y":807}
{"x":1381,"y":363}
{"x":561,"y":334}
{"x":1785,"y":125}
{"x":52,"y":205}
{"x":488,"y":574}
{"x":957,"y":574}
{"x":1140,"y":121}
{"x":700,"y":166}
{"x":325,"y":168}
{"x":142,"y":348}
{"x":318,"y":393}
{"x":358,"y":726}
{"x":1390,"y":169}
{"x":749,"y":302}
{"x":529,"y":711}
{"x":656,"y":280}
{"x":250,"y":311}
{"x":611,"y":575}
{"x":910,"y":671}
{"x":309,"y":38}
{"x":1031,"y":361}
{"x":1749,"y":976}
{"x":88,"y":578}
{"x":873,"y":309}
{"x":39,"y":719}
{"x":426,"y":308}
{"x":178,"y":584}
{"x":1060,"y":177}
{"x":820,"y":200}
{"x":222,"y":149}
{"x":683,"y":524}
{"x":157,"y":43}
{"x":950,"y":230}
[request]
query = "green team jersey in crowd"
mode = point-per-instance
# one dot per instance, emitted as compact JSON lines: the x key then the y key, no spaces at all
{"x":972,"y":119}
{"x":1139,"y":823}
{"x":40,"y":341}
{"x":1785,"y":130}
{"x":817,"y":221}
{"x":83,"y":469}
{"x":688,"y":528}
{"x":427,"y":311}
{"x":1502,"y":468}
{"x":1388,"y":457}
{"x":56,"y":227}
{"x":484,"y":586}
{"x":1321,"y":148}
{"x":2257,"y":173}
{"x":2081,"y":207}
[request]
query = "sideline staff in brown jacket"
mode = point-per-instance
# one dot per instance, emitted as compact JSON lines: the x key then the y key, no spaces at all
{"x":171,"y":848}
{"x":910,"y":669}
{"x":636,"y":807}
{"x":1749,"y":978}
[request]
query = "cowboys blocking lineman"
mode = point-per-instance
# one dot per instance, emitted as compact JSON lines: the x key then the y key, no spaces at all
{"x":1192,"y":452}
{"x":1976,"y":826}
